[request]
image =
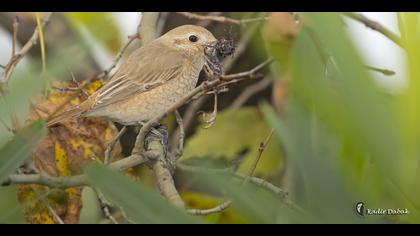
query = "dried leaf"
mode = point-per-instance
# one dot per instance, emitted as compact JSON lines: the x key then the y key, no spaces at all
{"x":67,"y":149}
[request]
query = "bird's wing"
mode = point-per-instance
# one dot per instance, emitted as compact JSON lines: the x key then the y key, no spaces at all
{"x":142,"y":71}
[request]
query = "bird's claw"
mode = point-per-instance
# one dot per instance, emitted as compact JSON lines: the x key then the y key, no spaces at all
{"x":210,"y":118}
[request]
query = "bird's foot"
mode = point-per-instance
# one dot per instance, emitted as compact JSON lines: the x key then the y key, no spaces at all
{"x":210,"y":118}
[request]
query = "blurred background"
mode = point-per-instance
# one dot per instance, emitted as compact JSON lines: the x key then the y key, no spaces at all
{"x":345,"y":131}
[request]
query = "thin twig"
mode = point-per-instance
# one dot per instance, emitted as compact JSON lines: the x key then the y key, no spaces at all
{"x":206,"y":23}
{"x":11,"y":65}
{"x":202,"y":89}
{"x":139,"y":154}
{"x":227,"y":65}
{"x":227,"y":204}
{"x":131,"y":38}
{"x":78,"y":85}
{"x":53,"y":213}
{"x":375,"y":26}
{"x":221,"y":19}
{"x":15,"y":33}
{"x":249,"y":92}
{"x":380,"y":70}
{"x":181,"y":136}
{"x":261,"y":149}
{"x":105,"y":206}
{"x":104,"y":73}
{"x":111,"y":145}
{"x":70,"y":181}
{"x":249,"y":73}
{"x":257,"y":181}
{"x":241,"y":47}
{"x":216,"y":209}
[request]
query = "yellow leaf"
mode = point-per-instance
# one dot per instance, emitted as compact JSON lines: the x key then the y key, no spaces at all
{"x":61,"y":160}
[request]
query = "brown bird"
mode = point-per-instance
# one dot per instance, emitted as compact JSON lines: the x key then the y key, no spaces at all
{"x":153,"y":78}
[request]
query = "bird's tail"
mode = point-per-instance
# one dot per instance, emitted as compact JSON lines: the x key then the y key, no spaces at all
{"x":64,"y":116}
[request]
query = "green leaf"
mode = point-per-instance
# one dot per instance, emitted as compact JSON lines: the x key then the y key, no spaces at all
{"x":101,"y":25}
{"x":18,"y":96}
{"x":233,"y":133}
{"x":253,"y":202}
{"x":14,"y":152}
{"x":142,"y":204}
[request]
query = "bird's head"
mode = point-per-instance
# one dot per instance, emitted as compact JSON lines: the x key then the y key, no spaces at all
{"x":191,"y":39}
{"x":197,"y":43}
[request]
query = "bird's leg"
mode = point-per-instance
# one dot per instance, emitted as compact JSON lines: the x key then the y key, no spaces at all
{"x":210,"y":118}
{"x":160,"y":133}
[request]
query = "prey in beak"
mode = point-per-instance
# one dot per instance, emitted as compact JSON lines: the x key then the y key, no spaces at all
{"x":214,"y":69}
{"x":214,"y":53}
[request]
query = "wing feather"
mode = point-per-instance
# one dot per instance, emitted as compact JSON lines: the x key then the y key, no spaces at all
{"x":142,"y":71}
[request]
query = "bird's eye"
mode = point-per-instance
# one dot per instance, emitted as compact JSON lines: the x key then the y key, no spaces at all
{"x":193,"y":38}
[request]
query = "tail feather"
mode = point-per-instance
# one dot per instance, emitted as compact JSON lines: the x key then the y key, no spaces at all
{"x":64,"y":116}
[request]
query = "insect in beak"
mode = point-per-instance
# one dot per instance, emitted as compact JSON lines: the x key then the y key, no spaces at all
{"x":214,"y":51}
{"x":212,"y":66}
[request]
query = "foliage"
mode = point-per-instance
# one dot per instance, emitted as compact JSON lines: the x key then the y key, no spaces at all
{"x":236,"y":132}
{"x":142,"y":204}
{"x":346,"y":140}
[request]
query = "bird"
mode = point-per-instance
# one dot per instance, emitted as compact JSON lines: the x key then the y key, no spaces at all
{"x":154,"y":77}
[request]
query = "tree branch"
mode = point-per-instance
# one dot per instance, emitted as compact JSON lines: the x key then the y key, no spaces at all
{"x":160,"y":167}
{"x":111,"y":145}
{"x":249,"y":92}
{"x":221,"y":19}
{"x":375,"y":26}
{"x":11,"y":65}
{"x":261,"y":149}
{"x":155,"y":152}
{"x":148,"y":26}
{"x":209,"y":211}
{"x":181,"y":135}
{"x":131,"y":39}
{"x":70,"y":181}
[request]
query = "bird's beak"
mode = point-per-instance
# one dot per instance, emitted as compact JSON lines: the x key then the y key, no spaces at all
{"x":210,"y":48}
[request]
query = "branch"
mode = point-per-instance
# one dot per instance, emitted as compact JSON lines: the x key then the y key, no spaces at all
{"x":380,"y":70}
{"x":249,"y":92}
{"x":160,"y":164}
{"x":216,"y":209}
{"x":261,"y":149}
{"x":148,"y":26}
{"x":111,"y":145}
{"x":241,"y":47}
{"x":257,"y":181}
{"x":155,"y":153}
{"x":227,"y":64}
{"x":250,"y":73}
{"x":15,"y":33}
{"x":11,"y":65}
{"x":105,"y":206}
{"x":70,"y":181}
{"x":375,"y":26}
{"x":202,"y":89}
{"x":131,"y":39}
{"x":221,"y":19}
{"x":181,"y":135}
